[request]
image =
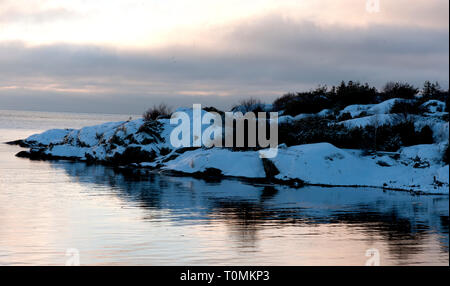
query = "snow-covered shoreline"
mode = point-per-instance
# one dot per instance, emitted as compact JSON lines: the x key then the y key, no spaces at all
{"x":145,"y":144}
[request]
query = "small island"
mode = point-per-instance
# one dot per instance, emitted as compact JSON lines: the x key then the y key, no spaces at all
{"x":349,"y":135}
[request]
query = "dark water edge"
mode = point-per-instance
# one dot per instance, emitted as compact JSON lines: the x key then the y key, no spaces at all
{"x":114,"y":218}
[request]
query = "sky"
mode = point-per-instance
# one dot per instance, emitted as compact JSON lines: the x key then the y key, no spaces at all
{"x":114,"y":56}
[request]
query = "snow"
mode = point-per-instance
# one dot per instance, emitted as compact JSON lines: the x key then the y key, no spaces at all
{"x":303,"y":116}
{"x":373,"y":120}
{"x":93,"y":140}
{"x":89,"y":136}
{"x":379,"y":114}
{"x":285,"y":119}
{"x":236,"y":164}
{"x":290,"y":119}
{"x":356,"y":109}
{"x":67,"y":151}
{"x":385,"y":106}
{"x":439,"y":127}
{"x":428,"y":152}
{"x":325,"y":112}
{"x":434,"y":106}
{"x":442,"y":175}
{"x":371,"y":109}
{"x":52,"y":136}
{"x":322,"y":163}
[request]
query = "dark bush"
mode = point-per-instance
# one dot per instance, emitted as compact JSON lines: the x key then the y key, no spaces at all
{"x":392,"y":137}
{"x":354,"y":93}
{"x":404,"y":108}
{"x":157,"y":112}
{"x":212,"y":109}
{"x":322,"y":98}
{"x":345,"y":116}
{"x":306,"y":102}
{"x":282,"y":102}
{"x":316,"y":130}
{"x":133,"y":155}
{"x":350,"y":93}
{"x":425,"y":136}
{"x":431,"y":90}
{"x":434,"y":91}
{"x":382,"y":138}
{"x":399,"y":90}
{"x":164,"y":151}
{"x":362,"y":114}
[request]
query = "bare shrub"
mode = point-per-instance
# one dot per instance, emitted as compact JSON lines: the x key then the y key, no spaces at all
{"x":156,"y":112}
{"x":250,"y":104}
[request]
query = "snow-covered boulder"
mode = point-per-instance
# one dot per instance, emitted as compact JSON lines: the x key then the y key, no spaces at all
{"x":372,"y":120}
{"x":371,"y":109}
{"x":434,"y":107}
{"x":236,"y":164}
{"x":431,"y":153}
{"x":52,"y":136}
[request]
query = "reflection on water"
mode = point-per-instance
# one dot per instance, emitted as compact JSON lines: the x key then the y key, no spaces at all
{"x":116,"y":218}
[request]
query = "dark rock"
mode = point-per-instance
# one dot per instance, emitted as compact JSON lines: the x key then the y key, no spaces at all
{"x":185,"y":149}
{"x":34,"y":154}
{"x":383,"y":163}
{"x":23,"y":154}
{"x":170,"y":158}
{"x":421,"y":165}
{"x":269,"y":168}
{"x":21,"y":143}
{"x":133,"y":155}
{"x":209,"y":174}
{"x":164,"y":151}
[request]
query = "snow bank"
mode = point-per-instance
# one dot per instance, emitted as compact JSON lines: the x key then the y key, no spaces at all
{"x":67,"y":151}
{"x":434,"y":106}
{"x":439,"y":127}
{"x":325,"y":113}
{"x":385,"y":106}
{"x":236,"y":164}
{"x":431,"y":153}
{"x":326,"y":164}
{"x":442,"y":175}
{"x":290,"y":119}
{"x":373,"y":120}
{"x":53,"y":136}
{"x":371,"y":109}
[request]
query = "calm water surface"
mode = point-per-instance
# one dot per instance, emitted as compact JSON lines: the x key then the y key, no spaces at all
{"x":118,"y":219}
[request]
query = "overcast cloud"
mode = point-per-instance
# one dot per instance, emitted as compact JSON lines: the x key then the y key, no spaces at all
{"x":263,"y":56}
